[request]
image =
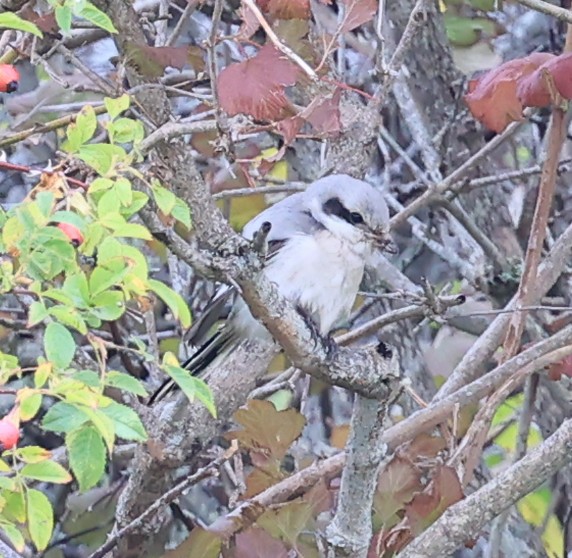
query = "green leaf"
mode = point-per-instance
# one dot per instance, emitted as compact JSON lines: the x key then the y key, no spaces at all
{"x":89,"y":378}
{"x":104,"y":425}
{"x":173,"y":300}
{"x":86,"y":452}
{"x":100,"y":185}
{"x":63,"y":417}
{"x":108,"y":306}
{"x":36,"y":313}
{"x":30,"y":403}
{"x":71,"y":218}
{"x":97,"y":17}
{"x":127,"y":423}
{"x":64,"y":18}
{"x":116,"y":106}
{"x":82,"y":130}
{"x":40,"y":518}
{"x":192,"y":387}
{"x":33,"y":454}
{"x":69,"y":316}
{"x":164,"y":198}
{"x":133,"y":230}
{"x":125,"y":382}
{"x":9,"y":20}
{"x":107,"y":275}
{"x":124,"y":191}
{"x":77,"y":288}
{"x":59,"y":345}
{"x":125,"y":130}
{"x":102,"y":157}
{"x":182,"y":213}
{"x":46,"y":471}
{"x":15,"y":536}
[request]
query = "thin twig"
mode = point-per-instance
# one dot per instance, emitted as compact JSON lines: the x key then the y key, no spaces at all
{"x":208,"y":471}
{"x":277,"y":42}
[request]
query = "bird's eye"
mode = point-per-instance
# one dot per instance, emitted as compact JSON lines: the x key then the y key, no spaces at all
{"x":356,"y":218}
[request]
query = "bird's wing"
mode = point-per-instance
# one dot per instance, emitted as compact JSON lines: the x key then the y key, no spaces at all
{"x":287,"y":218}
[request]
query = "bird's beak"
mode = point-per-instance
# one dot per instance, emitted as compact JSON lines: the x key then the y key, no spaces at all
{"x":384,"y":242}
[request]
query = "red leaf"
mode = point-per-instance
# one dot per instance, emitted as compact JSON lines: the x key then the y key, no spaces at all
{"x":562,"y":368}
{"x":46,"y":23}
{"x":326,"y":116}
{"x":492,"y":97}
{"x":533,"y":90}
{"x":256,"y":86}
{"x":249,"y":24}
{"x":289,"y":128}
{"x":357,"y":12}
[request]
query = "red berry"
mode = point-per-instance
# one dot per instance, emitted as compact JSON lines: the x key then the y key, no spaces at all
{"x":9,"y":434}
{"x":9,"y":78}
{"x":72,"y":232}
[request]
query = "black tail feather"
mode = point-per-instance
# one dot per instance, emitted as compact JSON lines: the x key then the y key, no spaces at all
{"x":197,"y":363}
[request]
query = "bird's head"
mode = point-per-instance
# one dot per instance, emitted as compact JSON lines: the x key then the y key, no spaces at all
{"x":352,"y":210}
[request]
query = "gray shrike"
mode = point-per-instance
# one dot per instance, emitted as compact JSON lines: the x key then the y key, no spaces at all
{"x":318,"y":245}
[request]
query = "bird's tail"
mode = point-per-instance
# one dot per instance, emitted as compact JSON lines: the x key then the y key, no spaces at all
{"x":216,"y":345}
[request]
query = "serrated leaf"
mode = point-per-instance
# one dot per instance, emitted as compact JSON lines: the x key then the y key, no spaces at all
{"x":42,"y":374}
{"x":125,"y":382}
{"x":70,"y":317}
{"x":182,"y":213}
{"x":63,"y":417}
{"x":173,"y":300}
{"x":116,"y":106}
{"x":102,"y":157}
{"x":4,"y":467}
{"x":59,"y":345}
{"x":97,"y":17}
{"x":86,"y":452}
{"x":40,"y":518}
{"x":164,"y":198}
{"x":192,"y":387}
{"x":33,"y":454}
{"x":82,"y":130}
{"x":127,"y":423}
{"x":10,"y":20}
{"x":46,"y":471}
{"x":36,"y":313}
{"x":15,"y":535}
{"x":30,"y":403}
{"x":132,"y":230}
{"x":104,"y":425}
{"x":108,"y":305}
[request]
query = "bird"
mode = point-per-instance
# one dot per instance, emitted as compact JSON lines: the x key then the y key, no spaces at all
{"x":318,"y":242}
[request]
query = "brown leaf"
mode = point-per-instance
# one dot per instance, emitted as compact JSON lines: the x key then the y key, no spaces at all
{"x":266,"y":428}
{"x":357,"y":12}
{"x":398,"y":482}
{"x":261,"y":479}
{"x":257,"y":543}
{"x":152,"y":61}
{"x":424,"y":446}
{"x":287,"y":521}
{"x":534,"y":90}
{"x":46,"y":23}
{"x":288,"y":9}
{"x":294,"y":33}
{"x":256,"y":86}
{"x":492,"y":98}
{"x":443,"y":491}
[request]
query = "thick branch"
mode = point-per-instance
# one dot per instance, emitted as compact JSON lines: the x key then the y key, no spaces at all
{"x":465,"y":519}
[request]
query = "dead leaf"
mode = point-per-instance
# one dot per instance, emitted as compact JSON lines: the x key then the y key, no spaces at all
{"x":287,"y":521}
{"x":533,"y":90}
{"x":266,"y":428}
{"x":356,"y":13}
{"x":257,"y":86}
{"x":257,"y":543}
{"x":288,"y":9}
{"x":199,"y":544}
{"x":492,"y":97}
{"x":443,"y":491}
{"x":151,"y":61}
{"x":325,"y":118}
{"x":249,"y":24}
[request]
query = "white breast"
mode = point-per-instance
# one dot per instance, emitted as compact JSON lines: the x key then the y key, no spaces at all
{"x":319,"y":273}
